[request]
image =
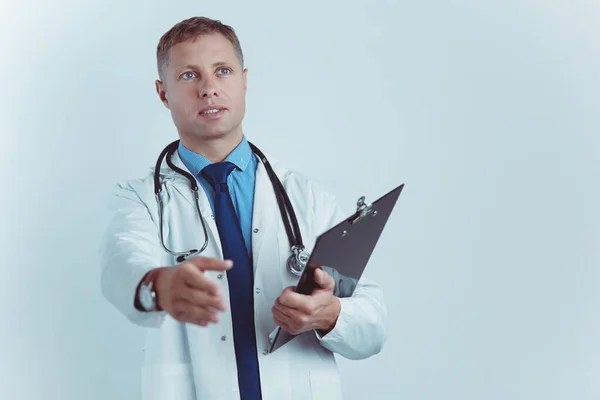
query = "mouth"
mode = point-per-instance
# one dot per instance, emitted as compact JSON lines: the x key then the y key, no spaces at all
{"x":212,"y":111}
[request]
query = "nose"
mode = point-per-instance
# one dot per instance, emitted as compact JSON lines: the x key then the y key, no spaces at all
{"x":208,"y":89}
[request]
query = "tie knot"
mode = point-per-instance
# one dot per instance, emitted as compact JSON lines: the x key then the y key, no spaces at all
{"x":217,"y":173}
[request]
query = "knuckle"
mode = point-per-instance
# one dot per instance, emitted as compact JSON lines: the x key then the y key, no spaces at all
{"x":179,"y":316}
{"x":177,"y":295}
{"x":172,"y":282}
{"x":200,"y":300}
{"x":197,"y":296}
{"x":178,"y":276}
{"x":186,"y":269}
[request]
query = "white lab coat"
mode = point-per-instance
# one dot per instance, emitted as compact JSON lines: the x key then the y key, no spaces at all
{"x":189,"y":362}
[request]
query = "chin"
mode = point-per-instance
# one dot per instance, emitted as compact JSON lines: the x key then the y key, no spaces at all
{"x":209,"y":134}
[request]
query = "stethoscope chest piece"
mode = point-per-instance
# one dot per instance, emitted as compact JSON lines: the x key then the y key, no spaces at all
{"x":298,"y":260}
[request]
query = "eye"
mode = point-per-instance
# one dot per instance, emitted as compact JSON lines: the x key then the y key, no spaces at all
{"x":188,"y":75}
{"x":223,"y":71}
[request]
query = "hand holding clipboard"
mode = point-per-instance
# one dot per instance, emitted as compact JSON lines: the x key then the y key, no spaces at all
{"x":344,"y":251}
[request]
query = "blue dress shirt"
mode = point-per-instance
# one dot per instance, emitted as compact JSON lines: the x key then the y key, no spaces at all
{"x":240,"y":181}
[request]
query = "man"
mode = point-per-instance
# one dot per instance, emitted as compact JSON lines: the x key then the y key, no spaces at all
{"x":211,"y":316}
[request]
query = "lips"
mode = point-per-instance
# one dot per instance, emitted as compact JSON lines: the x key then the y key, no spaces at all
{"x":210,"y":110}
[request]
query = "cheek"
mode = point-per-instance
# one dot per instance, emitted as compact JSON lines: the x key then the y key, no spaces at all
{"x":240,"y":107}
{"x":181,"y":113}
{"x":184,"y":99}
{"x":238,"y":97}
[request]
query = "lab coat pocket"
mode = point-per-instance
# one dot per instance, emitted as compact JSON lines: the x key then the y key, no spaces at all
{"x":168,"y":382}
{"x":325,"y":385}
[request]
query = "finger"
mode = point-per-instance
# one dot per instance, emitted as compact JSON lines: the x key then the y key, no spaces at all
{"x":279,"y":309}
{"x":210,"y":264}
{"x":196,"y":279}
{"x":289,"y":289}
{"x":294,"y":318}
{"x":283,"y":323}
{"x":280,"y":321}
{"x":212,"y":318}
{"x":203,"y":299}
{"x":296,"y":301}
{"x":288,"y":324}
{"x":188,"y":312}
{"x":201,"y":322}
{"x":324,"y":280}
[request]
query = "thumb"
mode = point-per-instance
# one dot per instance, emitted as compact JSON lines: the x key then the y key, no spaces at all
{"x":210,"y":264}
{"x":324,"y":280}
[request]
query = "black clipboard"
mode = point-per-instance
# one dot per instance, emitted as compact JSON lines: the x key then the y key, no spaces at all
{"x":344,"y":251}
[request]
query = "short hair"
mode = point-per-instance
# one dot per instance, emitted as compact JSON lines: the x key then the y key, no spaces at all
{"x":190,"y":29}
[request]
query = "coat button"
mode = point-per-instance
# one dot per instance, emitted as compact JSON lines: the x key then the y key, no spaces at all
{"x":255,"y":230}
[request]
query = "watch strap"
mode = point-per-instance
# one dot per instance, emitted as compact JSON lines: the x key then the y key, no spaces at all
{"x":147,"y":280}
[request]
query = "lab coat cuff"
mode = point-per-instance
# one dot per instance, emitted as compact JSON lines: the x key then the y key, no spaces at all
{"x":153,"y":319}
{"x":335,"y":335}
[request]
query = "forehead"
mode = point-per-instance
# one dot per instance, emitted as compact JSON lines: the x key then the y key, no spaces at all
{"x":204,"y":50}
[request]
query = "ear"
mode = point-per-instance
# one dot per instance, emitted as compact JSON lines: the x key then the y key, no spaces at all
{"x":162,"y":92}
{"x":245,"y":74}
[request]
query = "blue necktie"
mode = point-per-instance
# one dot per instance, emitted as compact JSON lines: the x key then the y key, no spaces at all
{"x":240,"y":278}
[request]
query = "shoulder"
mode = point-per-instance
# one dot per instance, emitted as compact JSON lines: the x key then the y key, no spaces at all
{"x":140,"y":184}
{"x":139,"y":189}
{"x":304,"y":189}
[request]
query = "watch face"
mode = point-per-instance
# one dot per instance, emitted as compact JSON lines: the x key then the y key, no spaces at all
{"x":146,"y":298}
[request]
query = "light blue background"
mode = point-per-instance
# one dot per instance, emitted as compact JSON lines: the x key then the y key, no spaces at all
{"x":487,"y":110}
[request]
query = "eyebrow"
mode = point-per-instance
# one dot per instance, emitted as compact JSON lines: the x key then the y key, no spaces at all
{"x":214,"y":65}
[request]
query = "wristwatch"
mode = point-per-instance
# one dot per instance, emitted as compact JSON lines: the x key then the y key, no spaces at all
{"x":147,"y":296}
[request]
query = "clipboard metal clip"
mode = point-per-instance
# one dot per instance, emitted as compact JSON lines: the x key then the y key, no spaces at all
{"x":362,"y":210}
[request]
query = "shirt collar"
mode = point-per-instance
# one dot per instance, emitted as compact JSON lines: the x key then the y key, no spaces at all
{"x":240,"y":157}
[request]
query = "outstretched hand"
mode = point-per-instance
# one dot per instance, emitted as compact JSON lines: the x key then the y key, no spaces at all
{"x":187,"y":295}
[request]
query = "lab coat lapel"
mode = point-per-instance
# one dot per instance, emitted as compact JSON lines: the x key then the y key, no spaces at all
{"x":263,"y":217}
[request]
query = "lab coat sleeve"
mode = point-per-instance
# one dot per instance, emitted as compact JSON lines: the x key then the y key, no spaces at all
{"x":130,"y":248}
{"x":360,"y":330}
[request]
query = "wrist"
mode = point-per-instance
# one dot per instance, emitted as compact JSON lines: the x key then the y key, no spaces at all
{"x":159,"y":287}
{"x":331,"y":314}
{"x":147,"y":294}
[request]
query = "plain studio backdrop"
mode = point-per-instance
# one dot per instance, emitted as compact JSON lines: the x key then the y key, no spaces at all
{"x":488,"y":111}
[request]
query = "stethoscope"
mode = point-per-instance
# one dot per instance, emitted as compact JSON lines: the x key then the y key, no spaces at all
{"x":296,"y":262}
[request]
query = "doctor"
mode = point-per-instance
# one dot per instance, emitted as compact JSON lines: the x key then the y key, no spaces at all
{"x":210,"y":316}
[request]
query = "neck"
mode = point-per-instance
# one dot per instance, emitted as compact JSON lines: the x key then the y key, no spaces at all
{"x":214,"y":149}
